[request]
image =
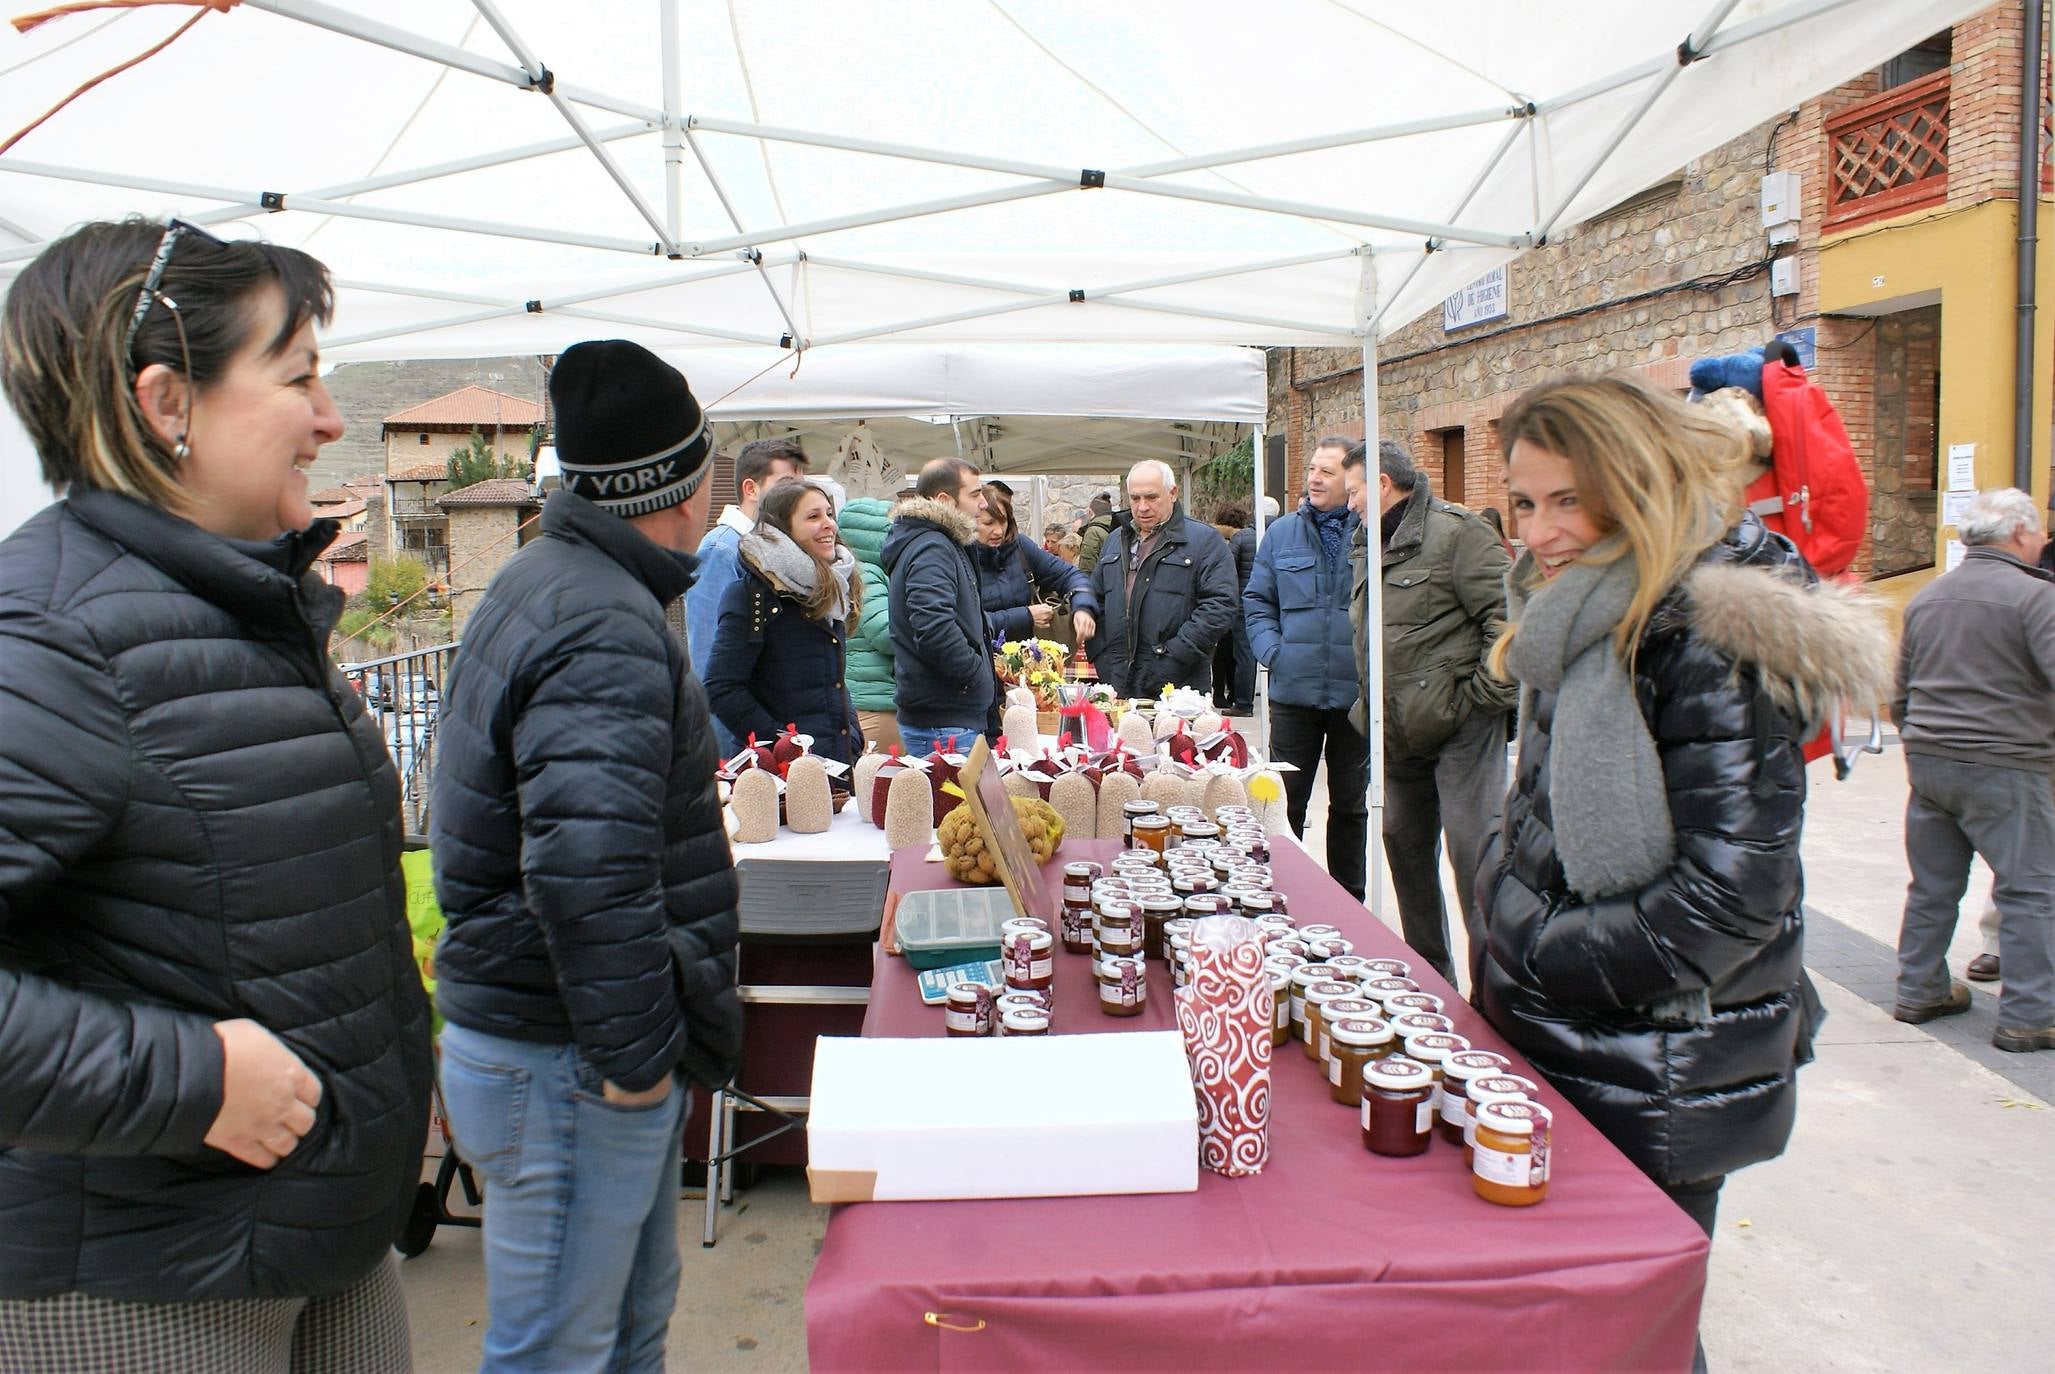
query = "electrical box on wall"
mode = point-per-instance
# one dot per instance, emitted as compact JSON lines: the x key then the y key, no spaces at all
{"x":1780,"y":207}
{"x":1784,"y":277}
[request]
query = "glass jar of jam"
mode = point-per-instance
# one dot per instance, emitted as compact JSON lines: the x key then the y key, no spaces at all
{"x":1289,"y":944}
{"x":1350,"y":966}
{"x":1357,"y":1042}
{"x":1319,"y":930}
{"x":1151,"y":832}
{"x":1074,"y":920}
{"x":1178,"y":925}
{"x":1317,"y":996}
{"x":1390,"y":968}
{"x":1510,"y":1162}
{"x":1456,"y":1073}
{"x":1398,"y":1106}
{"x":1206,"y":904}
{"x":1020,"y":997}
{"x":1117,"y":931}
{"x":1123,"y":986}
{"x":1411,"y":1023}
{"x":1023,"y":1021}
{"x":1196,"y":832}
{"x":1328,"y":947}
{"x":1384,"y":988}
{"x":1179,"y":960}
{"x":1279,"y":902}
{"x":1432,"y":1049}
{"x":1156,"y":913}
{"x":1404,"y":1003}
{"x":1497,"y":1087}
{"x":1336,"y":1010}
{"x":1191,"y":881}
{"x":1029,"y":960}
{"x":1303,"y":977}
{"x":1253,"y":900}
{"x":1269,"y":924}
{"x":1014,"y":925}
{"x":1280,"y":977}
{"x":1129,"y":812}
{"x":968,"y":1010}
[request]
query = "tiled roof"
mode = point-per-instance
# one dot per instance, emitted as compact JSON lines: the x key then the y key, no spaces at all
{"x":351,"y":546}
{"x":338,"y":510}
{"x":421,"y":472}
{"x":331,"y":496}
{"x":470,"y":405}
{"x":495,"y":491}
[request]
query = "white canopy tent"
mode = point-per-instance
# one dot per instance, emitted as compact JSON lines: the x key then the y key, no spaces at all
{"x":507,"y":176}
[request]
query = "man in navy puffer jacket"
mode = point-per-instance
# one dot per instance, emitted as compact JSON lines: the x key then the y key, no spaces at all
{"x":1297,"y":608}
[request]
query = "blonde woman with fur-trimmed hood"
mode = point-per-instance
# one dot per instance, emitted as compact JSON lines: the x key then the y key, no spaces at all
{"x":1644,"y":940}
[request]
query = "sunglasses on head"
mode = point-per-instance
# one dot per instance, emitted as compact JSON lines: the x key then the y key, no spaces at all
{"x":173,"y":228}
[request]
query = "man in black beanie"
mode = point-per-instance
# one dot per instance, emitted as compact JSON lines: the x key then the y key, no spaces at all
{"x":582,"y":863}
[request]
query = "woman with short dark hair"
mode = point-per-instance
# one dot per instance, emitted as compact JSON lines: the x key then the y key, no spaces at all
{"x":781,"y":646}
{"x":214,"y":1053}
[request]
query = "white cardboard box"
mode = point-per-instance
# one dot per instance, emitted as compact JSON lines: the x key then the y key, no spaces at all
{"x":1026,"y":1116}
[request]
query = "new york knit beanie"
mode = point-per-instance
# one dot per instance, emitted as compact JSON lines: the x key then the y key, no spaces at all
{"x":630,"y":438}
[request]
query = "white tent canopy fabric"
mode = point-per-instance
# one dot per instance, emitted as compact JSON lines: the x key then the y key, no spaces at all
{"x":511,"y":175}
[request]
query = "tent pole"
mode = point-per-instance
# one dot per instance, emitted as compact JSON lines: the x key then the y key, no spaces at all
{"x":1373,"y":613}
{"x":1257,"y":438}
{"x":674,"y":136}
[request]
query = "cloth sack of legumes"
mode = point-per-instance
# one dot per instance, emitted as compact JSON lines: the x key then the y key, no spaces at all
{"x":1224,"y":1012}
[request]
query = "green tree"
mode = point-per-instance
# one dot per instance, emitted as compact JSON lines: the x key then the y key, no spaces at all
{"x":1228,"y":479}
{"x":394,"y":579}
{"x":479,"y":461}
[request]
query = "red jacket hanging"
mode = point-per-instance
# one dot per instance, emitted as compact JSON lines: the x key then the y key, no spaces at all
{"x":1813,"y":493}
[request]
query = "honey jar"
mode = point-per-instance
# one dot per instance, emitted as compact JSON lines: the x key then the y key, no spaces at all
{"x":1398,"y":1106}
{"x":1431,"y":1048}
{"x":1333,"y":1011}
{"x":1151,"y":832}
{"x":1356,"y":1041}
{"x":1510,"y":1162}
{"x":1129,"y":813}
{"x":1457,"y":1071}
{"x":1497,"y":1087}
{"x":1303,"y":977}
{"x":1123,"y":986}
{"x":1317,"y":996}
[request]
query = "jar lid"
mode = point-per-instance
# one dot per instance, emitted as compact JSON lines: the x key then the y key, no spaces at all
{"x":1116,"y":968}
{"x":1082,"y":868}
{"x":1342,"y":1007}
{"x":1329,"y":947}
{"x":1506,"y":1087}
{"x":1319,"y":932}
{"x":1140,"y":808}
{"x":1151,"y":821}
{"x":1280,"y":976}
{"x":1024,"y":997}
{"x":968,"y":992}
{"x":1036,"y":939}
{"x":1397,"y":1071}
{"x":1159,"y":903}
{"x":1392,"y":985}
{"x":1287,"y":962}
{"x":1513,"y":1116}
{"x":1423,"y":1023}
{"x":1390,"y":968}
{"x":1350,"y":964}
{"x":1400,"y":1003}
{"x":1308,"y":974}
{"x":1360,"y":1031}
{"x":1120,"y":909}
{"x":1015,"y":1020}
{"x":1434,"y":1047}
{"x":1013,"y":924}
{"x":1208,"y":904}
{"x":1328,"y":989}
{"x":1466,"y":1064}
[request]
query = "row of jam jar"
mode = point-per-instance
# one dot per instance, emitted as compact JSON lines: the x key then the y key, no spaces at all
{"x":1389,"y":1051}
{"x":1020,"y":1005}
{"x":1147,"y":825}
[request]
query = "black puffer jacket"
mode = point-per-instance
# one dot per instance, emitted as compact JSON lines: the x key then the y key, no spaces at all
{"x":1185,"y":600}
{"x":198,"y":822}
{"x":1722,"y":674}
{"x":774,"y":665}
{"x":1011,"y":576}
{"x":579,"y":851}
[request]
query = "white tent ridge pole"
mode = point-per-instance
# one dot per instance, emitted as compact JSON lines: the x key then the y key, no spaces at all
{"x":865,"y":218}
{"x":1322,"y":142}
{"x":1258,"y":435}
{"x":580,"y":312}
{"x":541,"y":79}
{"x":954,"y":317}
{"x":755,"y":256}
{"x":1477,"y":184}
{"x":1225,"y":316}
{"x":674,"y":138}
{"x":400,"y":330}
{"x":1022,"y":288}
{"x":1073,"y":180}
{"x":340,"y":21}
{"x":1694,"y":45}
{"x":1373,"y":614}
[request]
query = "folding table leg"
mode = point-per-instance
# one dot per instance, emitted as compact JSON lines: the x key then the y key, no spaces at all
{"x":716,"y":1146}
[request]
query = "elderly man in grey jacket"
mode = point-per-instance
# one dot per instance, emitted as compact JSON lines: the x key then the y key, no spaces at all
{"x":1976,"y":712}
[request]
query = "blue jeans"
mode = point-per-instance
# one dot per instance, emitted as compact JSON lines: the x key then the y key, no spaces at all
{"x":581,"y":1207}
{"x":922,"y":740}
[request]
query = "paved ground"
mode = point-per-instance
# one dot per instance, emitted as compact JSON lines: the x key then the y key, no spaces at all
{"x":1906,"y":1227}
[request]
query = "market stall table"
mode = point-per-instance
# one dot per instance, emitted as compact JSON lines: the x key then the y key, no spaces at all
{"x":1331,"y":1258}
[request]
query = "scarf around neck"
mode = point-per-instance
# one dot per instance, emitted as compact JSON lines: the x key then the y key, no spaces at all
{"x":1610,"y":808}
{"x":794,"y":571}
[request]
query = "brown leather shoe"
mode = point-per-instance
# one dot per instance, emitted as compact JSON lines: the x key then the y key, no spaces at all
{"x":1982,"y":969}
{"x":1956,"y":1003}
{"x":2020,"y":1041}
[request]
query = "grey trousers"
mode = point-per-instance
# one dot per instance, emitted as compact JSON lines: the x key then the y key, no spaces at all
{"x":1459,"y":793}
{"x":2007,"y":815}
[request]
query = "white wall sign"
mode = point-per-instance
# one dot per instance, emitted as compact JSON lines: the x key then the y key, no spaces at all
{"x":1952,"y":555}
{"x":1953,"y":505}
{"x":1962,"y":467}
{"x":1483,"y":299}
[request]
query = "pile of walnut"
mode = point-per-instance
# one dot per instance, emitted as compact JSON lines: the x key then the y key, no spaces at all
{"x":963,"y":849}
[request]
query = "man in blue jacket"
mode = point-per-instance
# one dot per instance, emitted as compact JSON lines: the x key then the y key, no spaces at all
{"x":1297,"y":607}
{"x":941,"y":662}
{"x":582,"y":863}
{"x":759,"y":467}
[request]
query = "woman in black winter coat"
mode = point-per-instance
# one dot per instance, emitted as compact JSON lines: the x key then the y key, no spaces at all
{"x":781,"y":646}
{"x":214,"y":1044}
{"x":1644,"y":939}
{"x":1020,"y":583}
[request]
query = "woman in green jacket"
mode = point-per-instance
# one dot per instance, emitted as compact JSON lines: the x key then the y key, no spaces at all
{"x":863,"y":525}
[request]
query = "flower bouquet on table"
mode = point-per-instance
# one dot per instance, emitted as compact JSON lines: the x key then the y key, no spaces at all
{"x":1037,"y":666}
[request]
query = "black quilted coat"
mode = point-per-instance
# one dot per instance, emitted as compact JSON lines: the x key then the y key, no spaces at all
{"x":198,"y":822}
{"x":1723,"y":675}
{"x":580,"y":856}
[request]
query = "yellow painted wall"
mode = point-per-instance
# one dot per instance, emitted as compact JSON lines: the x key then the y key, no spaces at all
{"x":1968,"y":256}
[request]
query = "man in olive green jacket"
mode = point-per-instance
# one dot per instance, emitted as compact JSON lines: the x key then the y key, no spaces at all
{"x":1444,"y":713}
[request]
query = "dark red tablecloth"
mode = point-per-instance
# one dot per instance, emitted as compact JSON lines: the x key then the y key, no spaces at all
{"x":1332,"y":1258}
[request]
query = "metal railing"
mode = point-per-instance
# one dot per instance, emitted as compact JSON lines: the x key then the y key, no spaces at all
{"x":404,"y":695}
{"x":1889,"y":154}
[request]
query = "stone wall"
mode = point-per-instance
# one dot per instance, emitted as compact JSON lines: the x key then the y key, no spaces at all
{"x":1907,"y":390}
{"x":482,"y":539}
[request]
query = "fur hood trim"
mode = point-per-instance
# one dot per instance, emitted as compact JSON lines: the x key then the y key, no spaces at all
{"x":1815,"y":647}
{"x":962,"y":528}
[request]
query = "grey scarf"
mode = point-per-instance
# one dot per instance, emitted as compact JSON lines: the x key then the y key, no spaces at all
{"x":794,"y":571}
{"x":1611,"y":812}
{"x":1606,"y":794}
